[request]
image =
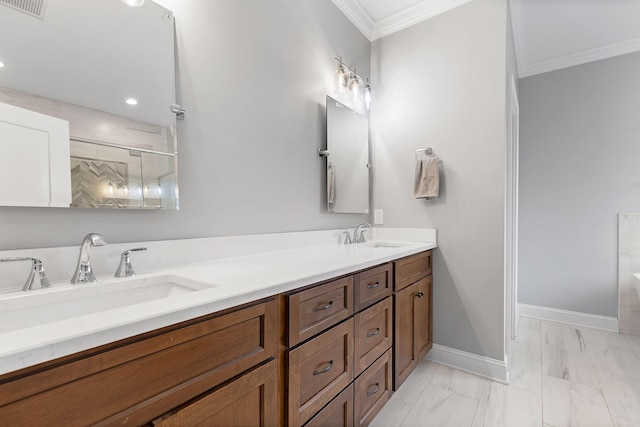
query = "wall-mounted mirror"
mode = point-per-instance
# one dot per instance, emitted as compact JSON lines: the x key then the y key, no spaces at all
{"x":348,"y":159}
{"x":108,"y":69}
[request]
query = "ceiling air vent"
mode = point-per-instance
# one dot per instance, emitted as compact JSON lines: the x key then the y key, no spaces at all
{"x":36,"y":8}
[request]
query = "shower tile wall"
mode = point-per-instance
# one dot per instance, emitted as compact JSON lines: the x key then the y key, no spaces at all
{"x":629,"y":264}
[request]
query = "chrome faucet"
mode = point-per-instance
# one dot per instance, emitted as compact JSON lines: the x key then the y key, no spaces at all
{"x":37,"y":267}
{"x":358,"y":233}
{"x":84,"y":271}
{"x":125,"y":269}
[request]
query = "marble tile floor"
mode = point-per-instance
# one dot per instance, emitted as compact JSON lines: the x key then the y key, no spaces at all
{"x":561,"y":375}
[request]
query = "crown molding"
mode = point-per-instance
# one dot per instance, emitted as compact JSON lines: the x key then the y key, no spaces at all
{"x":579,"y":58}
{"x":358,"y":15}
{"x":373,"y":30}
{"x":412,"y":15}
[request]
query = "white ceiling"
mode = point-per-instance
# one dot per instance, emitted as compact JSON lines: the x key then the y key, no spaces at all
{"x":548,"y":34}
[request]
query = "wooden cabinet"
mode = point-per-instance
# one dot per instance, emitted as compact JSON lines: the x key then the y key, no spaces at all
{"x":338,"y":413}
{"x":318,"y":370}
{"x":373,"y":334}
{"x":313,"y":310}
{"x":410,"y":269}
{"x":373,"y":389}
{"x":328,"y":355}
{"x":372,"y":285}
{"x":138,"y":379}
{"x":413,"y":327}
{"x":250,"y":400}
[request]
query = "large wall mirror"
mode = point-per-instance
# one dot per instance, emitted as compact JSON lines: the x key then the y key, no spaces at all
{"x":107,"y":69}
{"x":348,"y":159}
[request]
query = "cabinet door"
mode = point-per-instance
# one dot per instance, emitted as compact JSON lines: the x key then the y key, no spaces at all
{"x":404,"y":361}
{"x":413,"y":330}
{"x":251,"y":400}
{"x":35,"y":164}
{"x":423,"y":324}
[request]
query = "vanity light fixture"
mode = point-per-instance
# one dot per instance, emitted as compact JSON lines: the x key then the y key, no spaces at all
{"x":131,"y":101}
{"x":349,"y":82}
{"x":367,"y":94}
{"x":133,"y":3}
{"x":1,"y":64}
{"x":341,"y":77}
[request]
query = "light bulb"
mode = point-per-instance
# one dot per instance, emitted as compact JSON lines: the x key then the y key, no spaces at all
{"x":367,"y":96}
{"x":341,"y":79}
{"x":131,"y":101}
{"x":1,"y":64}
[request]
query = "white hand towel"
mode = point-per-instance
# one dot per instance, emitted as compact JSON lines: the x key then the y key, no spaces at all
{"x":331,"y":183}
{"x":427,"y":180}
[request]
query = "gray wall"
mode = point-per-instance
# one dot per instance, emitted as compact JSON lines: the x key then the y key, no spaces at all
{"x":441,"y":84}
{"x":579,"y":156}
{"x":253,"y":76}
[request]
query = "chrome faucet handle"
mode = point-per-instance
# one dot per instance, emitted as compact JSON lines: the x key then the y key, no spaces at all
{"x":358,"y":233}
{"x":125,"y":269}
{"x":84,"y":270}
{"x":36,"y":267}
{"x":347,"y":239}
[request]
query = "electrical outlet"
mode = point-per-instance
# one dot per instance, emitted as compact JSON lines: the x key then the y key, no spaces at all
{"x":377,"y":217}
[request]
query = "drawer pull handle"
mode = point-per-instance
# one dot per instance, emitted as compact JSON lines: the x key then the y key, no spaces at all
{"x":327,"y":369}
{"x":374,"y":333}
{"x":324,"y":307}
{"x":420,"y":294}
{"x":373,"y":285}
{"x":376,"y":389}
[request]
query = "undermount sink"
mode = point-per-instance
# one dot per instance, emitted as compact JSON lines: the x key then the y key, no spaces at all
{"x":39,"y":307}
{"x":384,"y":245}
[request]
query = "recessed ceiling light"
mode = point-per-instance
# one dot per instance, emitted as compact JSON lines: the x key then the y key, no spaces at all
{"x":131,"y":101}
{"x":133,"y":3}
{"x":1,"y":64}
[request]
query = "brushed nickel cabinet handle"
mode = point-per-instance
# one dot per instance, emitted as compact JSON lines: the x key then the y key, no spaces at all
{"x":373,"y":285}
{"x":374,"y":333}
{"x":325,"y":370}
{"x":324,"y":307}
{"x":374,"y":391}
{"x":420,"y":294}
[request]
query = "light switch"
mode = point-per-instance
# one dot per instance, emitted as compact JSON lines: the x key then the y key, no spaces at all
{"x":377,"y":217}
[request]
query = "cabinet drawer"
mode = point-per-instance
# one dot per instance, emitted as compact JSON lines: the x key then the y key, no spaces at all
{"x":338,"y":413}
{"x":372,"y":390}
{"x":250,"y":400}
{"x":372,"y":285}
{"x":411,"y":269}
{"x":373,"y":333}
{"x":143,"y":379}
{"x":318,"y":370}
{"x":314,"y":310}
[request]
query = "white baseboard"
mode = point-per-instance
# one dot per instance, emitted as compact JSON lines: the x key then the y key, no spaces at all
{"x":495,"y":370}
{"x":570,"y":317}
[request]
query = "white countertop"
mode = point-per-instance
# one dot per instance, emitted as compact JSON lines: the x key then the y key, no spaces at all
{"x":237,"y":281}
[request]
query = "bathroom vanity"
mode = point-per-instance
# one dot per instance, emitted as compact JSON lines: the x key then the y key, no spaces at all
{"x":294,"y":351}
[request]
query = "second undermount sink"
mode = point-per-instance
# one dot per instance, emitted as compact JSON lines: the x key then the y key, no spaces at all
{"x":33,"y":308}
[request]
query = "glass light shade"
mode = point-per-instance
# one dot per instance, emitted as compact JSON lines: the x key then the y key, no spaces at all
{"x":367,"y":96}
{"x":355,"y":87}
{"x":341,"y":79}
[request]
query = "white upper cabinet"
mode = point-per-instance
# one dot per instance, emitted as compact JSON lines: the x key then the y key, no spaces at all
{"x":34,"y":159}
